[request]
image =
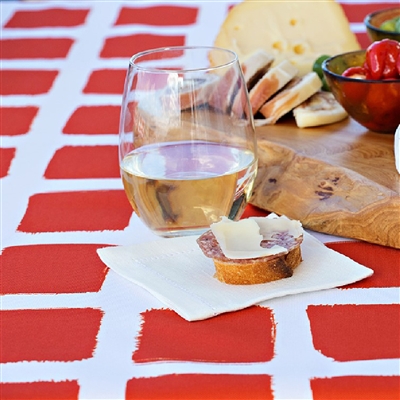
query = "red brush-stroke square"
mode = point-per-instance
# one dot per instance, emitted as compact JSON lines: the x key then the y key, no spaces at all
{"x":363,"y":39}
{"x":6,"y":157}
{"x":110,"y":81}
{"x":80,"y":162}
{"x":49,"y":335}
{"x":201,"y":387}
{"x":356,"y":332}
{"x":95,"y":210}
{"x":64,"y":390}
{"x":243,"y":336}
{"x":52,"y":268}
{"x":35,"y":48}
{"x":95,"y":120}
{"x":253,"y":211}
{"x":14,"y":82}
{"x":356,"y":388}
{"x":357,"y":11}
{"x":158,"y":15}
{"x":385,"y":262}
{"x":127,"y":46}
{"x":51,"y":17}
{"x":16,"y":120}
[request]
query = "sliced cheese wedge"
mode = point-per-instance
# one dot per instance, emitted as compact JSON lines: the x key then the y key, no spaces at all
{"x":299,"y":30}
{"x":293,"y":94}
{"x":255,"y":65}
{"x":320,"y":109}
{"x":272,"y":81}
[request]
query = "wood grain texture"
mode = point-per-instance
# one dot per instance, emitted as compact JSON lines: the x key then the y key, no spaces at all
{"x":338,"y":179}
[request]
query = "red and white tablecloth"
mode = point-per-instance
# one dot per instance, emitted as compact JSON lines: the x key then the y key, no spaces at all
{"x":71,"y":328}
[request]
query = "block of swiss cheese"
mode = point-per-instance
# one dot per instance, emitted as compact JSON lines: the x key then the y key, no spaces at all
{"x":297,"y":30}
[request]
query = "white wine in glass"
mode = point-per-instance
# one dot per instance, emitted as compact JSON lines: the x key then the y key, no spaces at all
{"x":187,"y":146}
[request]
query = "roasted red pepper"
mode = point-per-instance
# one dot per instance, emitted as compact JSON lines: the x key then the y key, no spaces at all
{"x":382,"y":61}
{"x":398,"y":65}
{"x":355,"y":72}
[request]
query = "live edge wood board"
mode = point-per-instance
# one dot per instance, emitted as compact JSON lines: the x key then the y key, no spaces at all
{"x":338,"y":179}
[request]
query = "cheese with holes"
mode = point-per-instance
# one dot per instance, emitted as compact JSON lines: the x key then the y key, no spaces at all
{"x":242,"y":239}
{"x":299,"y":31}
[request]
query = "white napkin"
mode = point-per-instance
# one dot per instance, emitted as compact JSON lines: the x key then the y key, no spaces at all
{"x":177,"y":273}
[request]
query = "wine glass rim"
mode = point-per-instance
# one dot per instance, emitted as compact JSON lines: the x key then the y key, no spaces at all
{"x":132,"y":60}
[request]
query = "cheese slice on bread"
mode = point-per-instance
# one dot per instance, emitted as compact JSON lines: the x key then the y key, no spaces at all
{"x":254,"y":250}
{"x":293,"y":94}
{"x":298,"y":30}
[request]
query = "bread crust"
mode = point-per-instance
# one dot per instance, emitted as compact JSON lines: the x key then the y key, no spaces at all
{"x":294,"y":93}
{"x":271,"y":83}
{"x":258,"y":270}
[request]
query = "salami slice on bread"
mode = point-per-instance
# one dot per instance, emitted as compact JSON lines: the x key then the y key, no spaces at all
{"x":278,"y":250}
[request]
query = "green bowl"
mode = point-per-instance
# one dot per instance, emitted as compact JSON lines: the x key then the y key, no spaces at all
{"x":373,"y":104}
{"x":374,"y":20}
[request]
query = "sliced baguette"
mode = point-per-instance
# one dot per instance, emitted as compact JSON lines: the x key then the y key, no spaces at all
{"x":293,"y":94}
{"x":191,"y":94}
{"x":225,"y":90}
{"x":258,"y":270}
{"x":255,"y":66}
{"x":271,"y":82}
{"x":320,"y":109}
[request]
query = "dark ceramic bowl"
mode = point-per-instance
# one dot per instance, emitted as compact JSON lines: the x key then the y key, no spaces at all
{"x":374,"y":20}
{"x":372,"y":103}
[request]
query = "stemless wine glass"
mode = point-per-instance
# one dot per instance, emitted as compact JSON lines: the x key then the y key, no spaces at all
{"x":187,"y":146}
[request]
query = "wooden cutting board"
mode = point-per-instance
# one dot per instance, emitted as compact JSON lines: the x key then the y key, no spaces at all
{"x":338,"y":179}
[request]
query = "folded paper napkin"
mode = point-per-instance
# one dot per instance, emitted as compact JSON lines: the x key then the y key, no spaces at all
{"x":177,"y":273}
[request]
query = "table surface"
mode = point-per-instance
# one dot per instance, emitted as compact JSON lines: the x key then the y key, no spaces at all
{"x":71,"y":328}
